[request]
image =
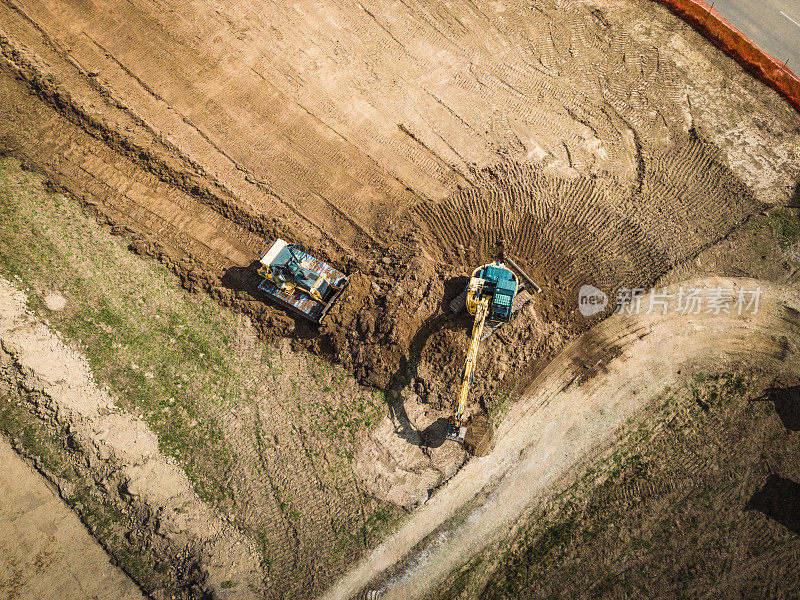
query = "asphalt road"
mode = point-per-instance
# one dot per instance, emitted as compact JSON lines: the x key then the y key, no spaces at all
{"x":772,"y":24}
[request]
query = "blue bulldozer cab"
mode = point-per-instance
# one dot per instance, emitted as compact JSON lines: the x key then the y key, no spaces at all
{"x":287,"y":267}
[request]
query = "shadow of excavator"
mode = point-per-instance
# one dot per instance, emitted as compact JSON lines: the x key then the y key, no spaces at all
{"x":787,"y":405}
{"x":432,"y":436}
{"x":779,"y":500}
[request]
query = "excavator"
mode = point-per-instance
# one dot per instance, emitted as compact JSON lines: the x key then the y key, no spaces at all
{"x":492,"y":297}
{"x":299,"y":282}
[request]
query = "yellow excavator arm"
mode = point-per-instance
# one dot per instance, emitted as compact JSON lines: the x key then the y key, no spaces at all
{"x":456,"y":431}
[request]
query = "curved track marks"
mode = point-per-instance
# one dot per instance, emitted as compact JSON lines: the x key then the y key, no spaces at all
{"x":574,"y":408}
{"x":577,"y":231}
{"x":347,"y":112}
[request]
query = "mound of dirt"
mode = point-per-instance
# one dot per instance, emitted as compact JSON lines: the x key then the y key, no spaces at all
{"x":406,"y":456}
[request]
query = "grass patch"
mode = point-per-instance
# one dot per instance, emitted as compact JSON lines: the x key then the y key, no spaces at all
{"x":786,"y":225}
{"x":166,"y":355}
{"x":235,"y":413}
{"x":550,"y":557}
{"x":781,"y":224}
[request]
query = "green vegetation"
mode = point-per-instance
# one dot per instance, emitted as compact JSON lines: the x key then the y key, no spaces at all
{"x":653,"y":513}
{"x":342,"y":423}
{"x":786,"y":225}
{"x":235,"y":413}
{"x":782,"y":224}
{"x":166,"y":355}
{"x":379,"y":523}
{"x":498,"y":405}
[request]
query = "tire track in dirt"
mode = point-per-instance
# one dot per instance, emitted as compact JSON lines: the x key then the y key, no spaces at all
{"x":309,"y":137}
{"x":571,"y":232}
{"x":316,"y":119}
{"x":90,"y":103}
{"x":571,"y":412}
{"x":205,"y":128}
{"x":130,"y":196}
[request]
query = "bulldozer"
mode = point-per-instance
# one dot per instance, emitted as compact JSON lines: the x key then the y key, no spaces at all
{"x":493,"y":295}
{"x":299,"y":282}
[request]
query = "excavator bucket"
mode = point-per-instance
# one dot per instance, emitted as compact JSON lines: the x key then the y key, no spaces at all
{"x":456,"y":433}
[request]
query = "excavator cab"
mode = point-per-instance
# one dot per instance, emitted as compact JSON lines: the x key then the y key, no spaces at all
{"x":490,"y":297}
{"x":497,"y":284}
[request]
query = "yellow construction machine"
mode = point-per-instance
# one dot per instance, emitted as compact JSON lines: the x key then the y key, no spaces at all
{"x":296,"y":280}
{"x":490,"y":296}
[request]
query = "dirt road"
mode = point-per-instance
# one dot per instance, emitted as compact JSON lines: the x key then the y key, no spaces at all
{"x":574,"y":408}
{"x":45,"y":551}
{"x":140,"y":481}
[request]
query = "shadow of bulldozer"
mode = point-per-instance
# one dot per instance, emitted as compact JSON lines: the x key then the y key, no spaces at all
{"x":244,"y":279}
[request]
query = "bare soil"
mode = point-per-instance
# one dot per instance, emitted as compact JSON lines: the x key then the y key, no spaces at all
{"x":599,"y":142}
{"x":157,"y":511}
{"x":45,"y":551}
{"x":700,"y":501}
{"x":267,"y":435}
{"x":582,"y":142}
{"x":576,"y":408}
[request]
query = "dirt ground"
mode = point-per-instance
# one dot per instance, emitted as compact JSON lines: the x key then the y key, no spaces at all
{"x":269,"y":437}
{"x":598,"y":142}
{"x":575,"y":407}
{"x":45,"y":551}
{"x":602,"y":144}
{"x":111,"y":458}
{"x":682,"y":508}
{"x":590,"y":144}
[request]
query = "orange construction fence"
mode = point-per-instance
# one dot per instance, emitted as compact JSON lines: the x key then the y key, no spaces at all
{"x":733,"y":42}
